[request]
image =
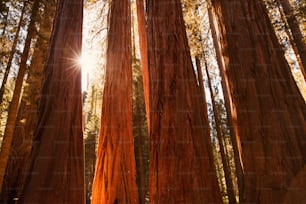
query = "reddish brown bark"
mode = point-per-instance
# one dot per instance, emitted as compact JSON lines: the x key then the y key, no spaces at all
{"x":56,"y":172}
{"x":268,"y":106}
{"x":181,"y":162}
{"x":115,"y":178}
{"x":141,"y":19}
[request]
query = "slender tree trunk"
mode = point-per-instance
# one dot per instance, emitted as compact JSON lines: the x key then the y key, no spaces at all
{"x":231,"y":118}
{"x":181,"y":161}
{"x":297,"y":36}
{"x":115,"y":178}
{"x":14,"y":105}
{"x":269,"y":108}
{"x":56,"y":172}
{"x":141,"y":19}
{"x":12,"y":53}
{"x":226,"y":169}
{"x":27,"y":114}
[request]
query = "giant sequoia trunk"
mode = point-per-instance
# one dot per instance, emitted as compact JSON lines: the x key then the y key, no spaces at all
{"x":27,"y":115}
{"x":56,"y":172}
{"x":115,"y":178}
{"x":181,"y":161}
{"x":266,"y":103}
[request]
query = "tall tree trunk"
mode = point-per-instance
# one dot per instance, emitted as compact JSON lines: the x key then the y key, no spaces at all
{"x":226,"y":168}
{"x":141,"y":19}
{"x":12,"y":53}
{"x":181,"y":161}
{"x":115,"y":178}
{"x":267,"y":104}
{"x":56,"y":172}
{"x":27,"y":115}
{"x":231,"y":118}
{"x":297,"y":36}
{"x":14,"y":105}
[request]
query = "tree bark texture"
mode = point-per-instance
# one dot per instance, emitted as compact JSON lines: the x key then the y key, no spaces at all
{"x":115,"y":177}
{"x":28,"y":111}
{"x":181,"y":161}
{"x":56,"y":173}
{"x":141,"y":19}
{"x":266,"y":103}
{"x":14,"y":105}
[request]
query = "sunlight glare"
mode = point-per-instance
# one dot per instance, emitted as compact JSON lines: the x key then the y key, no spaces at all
{"x":87,"y":62}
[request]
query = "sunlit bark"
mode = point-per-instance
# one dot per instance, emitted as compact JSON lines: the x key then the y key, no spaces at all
{"x":115,"y":177}
{"x":141,"y":20}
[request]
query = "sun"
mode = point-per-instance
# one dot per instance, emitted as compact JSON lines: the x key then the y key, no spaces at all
{"x":87,"y":62}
